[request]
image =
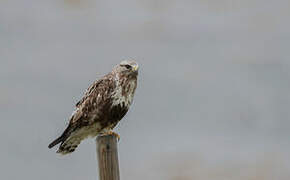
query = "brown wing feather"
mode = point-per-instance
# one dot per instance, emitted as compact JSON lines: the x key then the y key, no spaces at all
{"x":90,"y":89}
{"x":95,"y":99}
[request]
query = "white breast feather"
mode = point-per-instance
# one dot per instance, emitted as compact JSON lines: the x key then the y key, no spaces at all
{"x":118,"y":98}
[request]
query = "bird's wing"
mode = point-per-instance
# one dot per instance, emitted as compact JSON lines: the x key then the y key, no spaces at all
{"x":88,"y":91}
{"x":96,"y":96}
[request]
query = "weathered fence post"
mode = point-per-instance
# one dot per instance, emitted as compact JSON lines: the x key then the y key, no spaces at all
{"x":107,"y":153}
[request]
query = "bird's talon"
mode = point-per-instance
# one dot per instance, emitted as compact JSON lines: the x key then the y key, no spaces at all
{"x":116,"y":135}
{"x":113,"y":134}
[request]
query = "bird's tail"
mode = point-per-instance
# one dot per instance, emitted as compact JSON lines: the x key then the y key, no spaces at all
{"x":69,"y":145}
{"x":57,"y":141}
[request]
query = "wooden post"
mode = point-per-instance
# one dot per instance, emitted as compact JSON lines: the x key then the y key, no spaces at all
{"x":107,"y":153}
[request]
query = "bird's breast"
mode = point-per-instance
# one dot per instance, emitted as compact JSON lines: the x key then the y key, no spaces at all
{"x":124,"y":93}
{"x":117,"y":112}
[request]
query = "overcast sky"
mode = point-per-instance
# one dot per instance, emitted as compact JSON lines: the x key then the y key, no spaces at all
{"x":213,"y":93}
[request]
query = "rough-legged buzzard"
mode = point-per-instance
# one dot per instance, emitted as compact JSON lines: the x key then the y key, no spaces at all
{"x":103,"y":105}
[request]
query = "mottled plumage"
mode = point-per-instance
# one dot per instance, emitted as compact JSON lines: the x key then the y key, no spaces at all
{"x":103,"y":105}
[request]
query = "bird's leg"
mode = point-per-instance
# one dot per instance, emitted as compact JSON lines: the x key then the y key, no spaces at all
{"x":115,"y":134}
{"x":110,"y":132}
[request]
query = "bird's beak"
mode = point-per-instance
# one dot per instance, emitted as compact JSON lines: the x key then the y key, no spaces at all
{"x":135,"y":68}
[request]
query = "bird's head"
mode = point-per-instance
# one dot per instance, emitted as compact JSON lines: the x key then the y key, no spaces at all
{"x":127,"y":68}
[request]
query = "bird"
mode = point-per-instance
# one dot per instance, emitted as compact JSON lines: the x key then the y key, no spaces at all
{"x":103,"y":105}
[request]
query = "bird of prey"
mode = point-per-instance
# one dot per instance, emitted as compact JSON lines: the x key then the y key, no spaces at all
{"x":103,"y":105}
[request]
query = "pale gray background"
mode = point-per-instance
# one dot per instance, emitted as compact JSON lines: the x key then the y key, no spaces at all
{"x":213,"y":97}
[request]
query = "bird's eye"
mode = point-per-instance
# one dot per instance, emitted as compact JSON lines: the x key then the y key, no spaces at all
{"x":128,"y":66}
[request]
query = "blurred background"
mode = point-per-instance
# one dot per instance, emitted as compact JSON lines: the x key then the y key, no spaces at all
{"x":213,"y":97}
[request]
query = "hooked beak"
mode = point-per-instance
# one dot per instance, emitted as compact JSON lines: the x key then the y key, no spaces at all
{"x":135,"y":69}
